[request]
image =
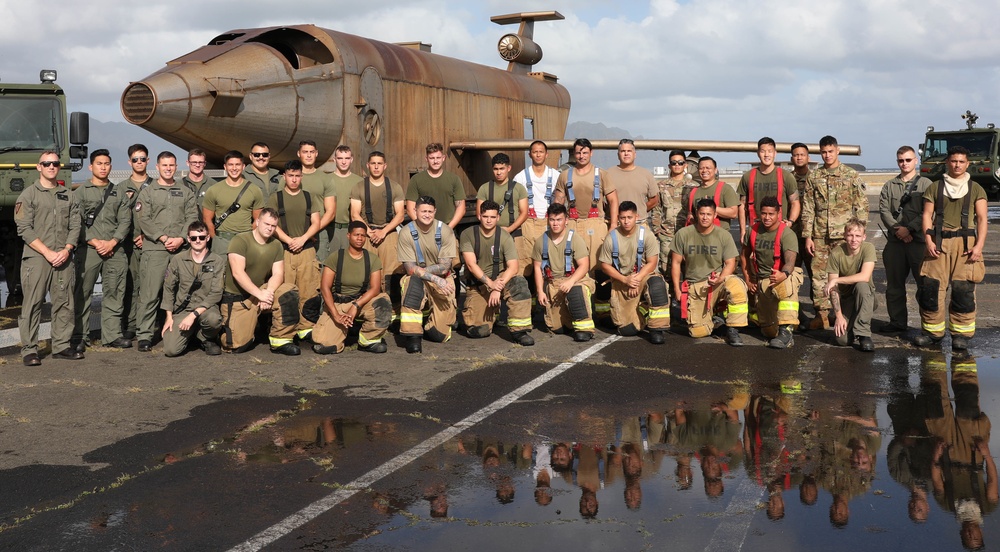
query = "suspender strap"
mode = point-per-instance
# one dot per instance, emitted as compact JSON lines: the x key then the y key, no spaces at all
{"x":614,"y":250}
{"x":569,"y":253}
{"x":495,"y":270}
{"x":641,"y":249}
{"x":545,"y":255}
{"x":718,"y":195}
{"x":338,"y":278}
{"x":507,"y":199}
{"x":597,"y":188}
{"x":281,"y":210}
{"x":416,"y":240}
{"x":546,"y":266}
{"x":750,"y":192}
{"x":754,"y":230}
{"x":389,"y":211}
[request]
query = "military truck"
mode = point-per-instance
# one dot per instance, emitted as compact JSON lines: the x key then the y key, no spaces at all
{"x":982,"y":143}
{"x":33,"y":119}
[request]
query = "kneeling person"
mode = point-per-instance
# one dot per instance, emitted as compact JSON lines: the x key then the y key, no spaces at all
{"x":352,"y":290}
{"x":255,"y":283}
{"x":850,"y":288}
{"x":485,"y":249}
{"x":561,"y":279}
{"x":629,"y":256}
{"x":708,"y":255}
{"x":770,"y":252}
{"x":192,"y":289}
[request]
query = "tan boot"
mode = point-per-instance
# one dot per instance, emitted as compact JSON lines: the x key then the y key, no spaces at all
{"x":821,"y":322}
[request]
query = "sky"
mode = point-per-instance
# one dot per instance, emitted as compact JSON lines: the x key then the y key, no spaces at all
{"x":872,"y":73}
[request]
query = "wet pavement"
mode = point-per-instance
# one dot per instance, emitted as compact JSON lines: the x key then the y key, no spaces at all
{"x":692,"y":445}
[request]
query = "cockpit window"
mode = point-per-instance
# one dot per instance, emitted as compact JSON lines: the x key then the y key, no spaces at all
{"x":301,"y":49}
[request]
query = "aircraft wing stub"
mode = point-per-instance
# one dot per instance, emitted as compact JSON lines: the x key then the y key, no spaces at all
{"x":662,"y":145}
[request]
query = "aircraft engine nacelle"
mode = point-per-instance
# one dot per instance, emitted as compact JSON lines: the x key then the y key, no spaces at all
{"x":519,"y":49}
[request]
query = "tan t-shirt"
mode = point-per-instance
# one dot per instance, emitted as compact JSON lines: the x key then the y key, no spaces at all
{"x":636,"y":185}
{"x":407,"y":253}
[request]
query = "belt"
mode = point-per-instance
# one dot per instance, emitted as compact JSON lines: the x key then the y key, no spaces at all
{"x":340,"y":226}
{"x":341,"y":298}
{"x":227,"y":235}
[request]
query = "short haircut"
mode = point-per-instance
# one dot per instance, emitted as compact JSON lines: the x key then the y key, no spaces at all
{"x":767,"y":140}
{"x":627,"y":206}
{"x":269,"y":211}
{"x":707,"y":158}
{"x":165,"y":155}
{"x":489,"y":205}
{"x":768,"y":201}
{"x":676,"y":152}
{"x":827,"y":141}
{"x":307,"y":143}
{"x":798,"y":145}
{"x":855,"y":223}
{"x":537,"y":142}
{"x":99,"y":153}
{"x":197,"y":226}
{"x":556,"y":209}
{"x":48,"y":152}
{"x":958,"y":150}
{"x":376,"y":153}
{"x":355,"y":224}
{"x":625,"y":141}
{"x":232,"y":155}
{"x":260,"y":145}
{"x":501,"y":159}
{"x":426,"y":200}
{"x":434,"y":147}
{"x":343,"y":148}
{"x":136,"y":148}
{"x":904,"y":149}
{"x":293,"y":165}
{"x":705,"y":202}
{"x":197,"y":152}
{"x":583,"y":143}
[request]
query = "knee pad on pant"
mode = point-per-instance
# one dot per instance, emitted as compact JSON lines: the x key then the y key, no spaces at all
{"x":518,"y":287}
{"x":657,"y":290}
{"x":383,"y":312}
{"x":628,"y":330}
{"x":413,"y":296}
{"x":479,"y":331}
{"x":577,"y":303}
{"x":927,"y":294}
{"x":289,"y":303}
{"x":312,"y":309}
{"x":737,"y":290}
{"x":963,"y":296}
{"x":435,"y":335}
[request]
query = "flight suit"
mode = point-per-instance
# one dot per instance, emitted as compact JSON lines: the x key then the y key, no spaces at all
{"x":134,"y":256}
{"x":188,"y":286}
{"x":900,"y":204}
{"x":199,"y":189}
{"x":268,"y":183}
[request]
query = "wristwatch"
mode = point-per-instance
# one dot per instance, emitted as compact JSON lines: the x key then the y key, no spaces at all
{"x":356,"y":305}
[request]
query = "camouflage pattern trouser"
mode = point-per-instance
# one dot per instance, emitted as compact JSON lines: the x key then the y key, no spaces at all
{"x":819,"y":262}
{"x":778,"y":305}
{"x":375,"y":318}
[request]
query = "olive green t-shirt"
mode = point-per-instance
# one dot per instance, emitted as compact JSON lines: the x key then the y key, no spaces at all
{"x":221,"y":195}
{"x":727,"y":198}
{"x":406,"y":253}
{"x":484,"y":256}
{"x":843,"y":264}
{"x":557,"y":251}
{"x":296,"y":220}
{"x":353,"y":278}
{"x":510,"y":210}
{"x":703,"y":254}
{"x":763,"y":249}
{"x":628,"y":248}
{"x":766,"y":185}
{"x":259,"y":259}
{"x":446,"y":190}
{"x":343,"y":186}
{"x":378,"y":200}
{"x":953,"y":207}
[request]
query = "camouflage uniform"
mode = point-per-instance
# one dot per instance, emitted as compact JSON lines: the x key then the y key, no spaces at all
{"x":667,"y":218}
{"x":830,"y":198}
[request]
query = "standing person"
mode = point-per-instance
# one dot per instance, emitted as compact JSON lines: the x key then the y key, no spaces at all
{"x":767,"y":180}
{"x":587,"y":182}
{"x":633,"y":183}
{"x":196,"y":180}
{"x":192,"y":289}
{"x":800,"y":170}
{"x":723,"y":195}
{"x":258,"y":172}
{"x":48,"y":220}
{"x":231,"y":206}
{"x":562,"y":280}
{"x":667,"y":214}
{"x":254,"y":284}
{"x":901,"y":209}
{"x":442,"y":185}
{"x":954,"y":212}
{"x":513,"y":201}
{"x":834,"y":194}
{"x":343,"y":182}
{"x":639,"y":297}
{"x":539,"y":180}
{"x":493,"y":275}
{"x":769,"y":253}
{"x":320,"y":185}
{"x":378,"y":202}
{"x":106,"y":221}
{"x":427,"y":255}
{"x":298,"y":226}
{"x":850,"y":288}
{"x":138,"y":156}
{"x":702,"y":273}
{"x":352,"y":291}
{"x":162,"y":214}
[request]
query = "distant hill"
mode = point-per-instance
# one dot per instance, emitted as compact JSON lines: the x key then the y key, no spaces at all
{"x":117,"y":137}
{"x":609,"y":158}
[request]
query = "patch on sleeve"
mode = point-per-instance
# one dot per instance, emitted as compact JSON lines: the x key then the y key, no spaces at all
{"x":138,"y":206}
{"x":17,"y":208}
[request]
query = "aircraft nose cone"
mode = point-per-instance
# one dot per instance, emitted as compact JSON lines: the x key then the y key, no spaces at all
{"x":138,"y":103}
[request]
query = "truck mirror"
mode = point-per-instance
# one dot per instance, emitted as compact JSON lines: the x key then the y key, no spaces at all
{"x":78,"y":152}
{"x":79,"y":128}
{"x":920,"y":150}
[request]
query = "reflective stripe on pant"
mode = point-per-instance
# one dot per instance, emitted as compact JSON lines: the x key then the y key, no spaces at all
{"x":442,"y":309}
{"x":38,"y":277}
{"x":302,"y":270}
{"x":329,"y":333}
{"x":240,"y":320}
{"x":206,"y":327}
{"x":778,"y":305}
{"x":949,"y":269}
{"x":638,"y":310}
{"x":477,"y":312}
{"x":732,"y":289}
{"x":900,"y":260}
{"x":593,"y":231}
{"x":819,"y":273}
{"x":113,"y":272}
{"x":531,"y":230}
{"x":858,"y":307}
{"x":557,"y":314}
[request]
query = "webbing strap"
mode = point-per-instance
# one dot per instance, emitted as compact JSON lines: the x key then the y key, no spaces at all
{"x":416,"y":240}
{"x":750,"y":202}
{"x":691,"y":211}
{"x":389,"y":211}
{"x":338,"y":278}
{"x":495,"y":271}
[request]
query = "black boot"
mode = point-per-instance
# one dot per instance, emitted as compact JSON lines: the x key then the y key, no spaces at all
{"x":413,"y":344}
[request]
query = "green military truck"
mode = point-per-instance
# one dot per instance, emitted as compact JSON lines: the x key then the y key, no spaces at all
{"x":33,"y":118}
{"x":982,"y":143}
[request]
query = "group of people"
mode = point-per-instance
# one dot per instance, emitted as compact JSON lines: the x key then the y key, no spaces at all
{"x":318,"y":251}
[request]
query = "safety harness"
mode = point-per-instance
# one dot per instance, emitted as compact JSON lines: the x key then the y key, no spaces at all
{"x":547,"y":266}
{"x":638,"y":254}
{"x":495,"y":270}
{"x":718,"y":195}
{"x":389,"y":211}
{"x":281,"y":210}
{"x":338,"y":278}
{"x":750,"y":190}
{"x":754,"y":230}
{"x":594,"y":213}
{"x":939,"y":233}
{"x":416,"y":241}
{"x":531,"y":190}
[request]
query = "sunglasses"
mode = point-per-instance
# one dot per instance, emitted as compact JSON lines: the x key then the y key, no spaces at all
{"x":197,"y":238}
{"x":139,"y":159}
{"x":261,"y":155}
{"x":911,"y":160}
{"x":47,"y":164}
{"x":677,"y":163}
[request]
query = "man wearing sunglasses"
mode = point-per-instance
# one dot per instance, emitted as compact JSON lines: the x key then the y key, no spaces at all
{"x":258,"y":172}
{"x":666,"y":214}
{"x":48,"y":220}
{"x":138,"y":156}
{"x":192,"y":289}
{"x":901,"y":209}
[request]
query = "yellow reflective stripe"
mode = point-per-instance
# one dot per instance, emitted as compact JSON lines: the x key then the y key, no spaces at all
{"x":411,"y":317}
{"x":395,"y":317}
{"x":602,"y":307}
{"x":964,"y":367}
{"x":518,"y":322}
{"x":583,"y":325}
{"x":643,"y":311}
{"x":738,"y":309}
{"x":933,"y":328}
{"x":278,"y":341}
{"x":304,"y":333}
{"x":966,"y":328}
{"x":788,"y":305}
{"x":366,"y":342}
{"x":754,"y":318}
{"x":658,"y":313}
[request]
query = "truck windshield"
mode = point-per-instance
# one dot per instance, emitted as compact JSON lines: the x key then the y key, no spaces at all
{"x":30,"y":124}
{"x":979,"y":144}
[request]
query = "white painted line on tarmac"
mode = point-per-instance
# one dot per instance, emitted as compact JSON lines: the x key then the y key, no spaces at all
{"x":11,"y":337}
{"x":326,"y":503}
{"x":732,"y":531}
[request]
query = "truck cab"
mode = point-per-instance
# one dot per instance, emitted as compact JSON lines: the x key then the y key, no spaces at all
{"x":982,"y":143}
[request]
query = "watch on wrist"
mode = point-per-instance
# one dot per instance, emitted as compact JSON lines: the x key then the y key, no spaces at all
{"x":356,"y":305}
